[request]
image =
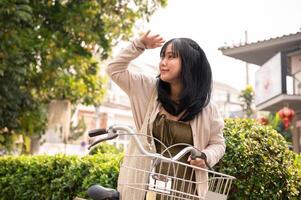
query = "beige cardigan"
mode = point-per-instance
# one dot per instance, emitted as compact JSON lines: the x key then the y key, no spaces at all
{"x":206,"y":127}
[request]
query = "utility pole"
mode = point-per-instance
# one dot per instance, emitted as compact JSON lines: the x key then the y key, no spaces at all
{"x":247,"y":65}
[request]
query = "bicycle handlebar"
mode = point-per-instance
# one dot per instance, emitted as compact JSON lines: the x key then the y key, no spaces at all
{"x":112,"y":132}
{"x":97,"y":132}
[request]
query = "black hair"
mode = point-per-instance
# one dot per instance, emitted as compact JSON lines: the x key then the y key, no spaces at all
{"x":196,"y":78}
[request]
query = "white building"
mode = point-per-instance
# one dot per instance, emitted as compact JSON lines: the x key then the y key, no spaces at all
{"x":278,"y":80}
{"x":227,"y":100}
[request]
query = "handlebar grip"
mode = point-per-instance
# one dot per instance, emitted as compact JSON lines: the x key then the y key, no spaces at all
{"x":101,"y":140}
{"x":198,"y":154}
{"x":97,"y":132}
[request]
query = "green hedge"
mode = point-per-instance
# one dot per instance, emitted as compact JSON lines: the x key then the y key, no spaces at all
{"x":256,"y":155}
{"x":259,"y":158}
{"x":55,"y":177}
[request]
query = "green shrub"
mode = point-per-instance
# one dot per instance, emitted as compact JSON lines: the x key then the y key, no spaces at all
{"x":256,"y":155}
{"x":259,"y":158}
{"x":105,"y":147}
{"x":55,"y":177}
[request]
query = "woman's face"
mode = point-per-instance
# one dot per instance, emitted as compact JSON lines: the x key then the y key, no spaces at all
{"x":170,"y":66}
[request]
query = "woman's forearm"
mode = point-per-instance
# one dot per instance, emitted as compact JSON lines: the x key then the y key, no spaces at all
{"x":118,"y":67}
{"x":121,"y":62}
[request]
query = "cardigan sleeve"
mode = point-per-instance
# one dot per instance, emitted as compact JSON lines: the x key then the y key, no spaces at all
{"x":216,"y":146}
{"x":138,"y":86}
{"x":129,"y":81}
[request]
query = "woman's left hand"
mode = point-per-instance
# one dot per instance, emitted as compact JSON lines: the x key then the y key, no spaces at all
{"x":151,"y":41}
{"x":197,"y":162}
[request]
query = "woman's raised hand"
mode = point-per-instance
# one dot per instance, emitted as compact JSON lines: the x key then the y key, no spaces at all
{"x":151,"y":41}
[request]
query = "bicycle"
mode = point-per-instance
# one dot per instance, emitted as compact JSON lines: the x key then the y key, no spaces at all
{"x":157,"y":181}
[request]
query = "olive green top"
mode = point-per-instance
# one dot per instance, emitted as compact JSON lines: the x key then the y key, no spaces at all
{"x":171,"y":132}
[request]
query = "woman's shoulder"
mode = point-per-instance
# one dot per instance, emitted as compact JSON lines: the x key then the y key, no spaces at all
{"x":210,"y":111}
{"x":211,"y":106}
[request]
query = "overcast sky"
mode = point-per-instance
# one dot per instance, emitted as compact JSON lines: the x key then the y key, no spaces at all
{"x":215,"y":23}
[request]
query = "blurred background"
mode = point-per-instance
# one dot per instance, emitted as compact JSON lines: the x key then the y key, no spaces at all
{"x":53,"y":56}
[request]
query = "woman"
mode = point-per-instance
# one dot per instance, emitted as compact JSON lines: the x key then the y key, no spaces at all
{"x":174,"y":107}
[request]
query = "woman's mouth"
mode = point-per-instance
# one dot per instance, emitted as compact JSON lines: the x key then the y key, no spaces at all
{"x":164,"y":70}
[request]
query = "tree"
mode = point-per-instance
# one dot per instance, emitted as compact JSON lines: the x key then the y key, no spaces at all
{"x":247,"y":98}
{"x":76,"y":131}
{"x":46,"y":52}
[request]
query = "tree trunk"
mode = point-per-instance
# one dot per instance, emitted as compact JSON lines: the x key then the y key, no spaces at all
{"x":59,"y":116}
{"x":34,"y":145}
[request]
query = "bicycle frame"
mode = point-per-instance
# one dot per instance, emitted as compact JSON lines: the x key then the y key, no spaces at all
{"x":151,"y":180}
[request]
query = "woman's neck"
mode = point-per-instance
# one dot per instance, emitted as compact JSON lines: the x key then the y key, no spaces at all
{"x":175,"y":91}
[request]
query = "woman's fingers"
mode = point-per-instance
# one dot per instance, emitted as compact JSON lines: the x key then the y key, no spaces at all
{"x":189,"y":159}
{"x":155,"y":36}
{"x":158,"y":41}
{"x":145,"y":35}
{"x":152,"y":41}
{"x":159,"y":44}
{"x":197,"y":162}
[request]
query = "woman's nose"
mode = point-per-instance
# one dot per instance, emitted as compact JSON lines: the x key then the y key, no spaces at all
{"x":163,"y":62}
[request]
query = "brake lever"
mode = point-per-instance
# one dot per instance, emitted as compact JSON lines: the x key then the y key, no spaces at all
{"x":109,"y":137}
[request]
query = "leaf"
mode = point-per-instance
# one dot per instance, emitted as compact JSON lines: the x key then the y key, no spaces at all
{"x":24,"y":16}
{"x":25,"y":8}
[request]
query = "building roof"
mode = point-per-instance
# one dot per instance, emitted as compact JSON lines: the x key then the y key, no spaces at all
{"x":259,"y":52}
{"x":224,"y":87}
